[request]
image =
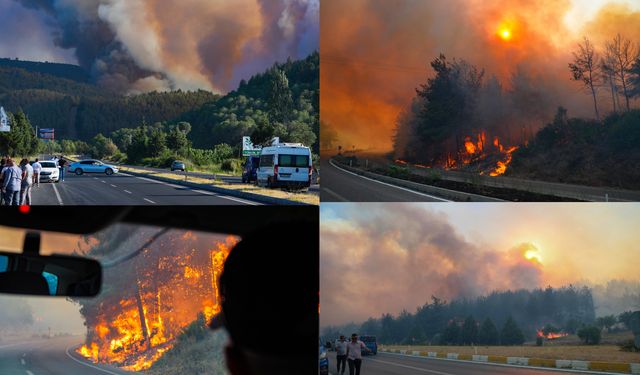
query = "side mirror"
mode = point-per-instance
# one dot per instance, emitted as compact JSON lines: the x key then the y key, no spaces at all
{"x":56,"y":275}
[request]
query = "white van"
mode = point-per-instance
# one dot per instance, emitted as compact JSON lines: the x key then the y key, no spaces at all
{"x":285,"y":165}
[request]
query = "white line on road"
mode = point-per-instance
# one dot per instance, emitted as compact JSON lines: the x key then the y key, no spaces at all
{"x":22,"y":361}
{"x":331,"y":192}
{"x":86,"y":364}
{"x":384,"y":183}
{"x":412,"y":368}
{"x":113,"y":185}
{"x":57,"y":194}
{"x":29,"y":372}
{"x":103,"y":181}
{"x":127,"y":191}
{"x":149,"y":200}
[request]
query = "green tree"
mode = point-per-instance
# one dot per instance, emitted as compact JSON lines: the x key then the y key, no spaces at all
{"x":488,"y":334}
{"x":157,"y":142}
{"x":102,"y":147}
{"x":177,"y":141}
{"x":138,"y":148}
{"x":606,"y":322}
{"x":222,"y":152}
{"x":469,"y":332}
{"x":451,"y":334}
{"x":590,"y":335}
{"x":280,"y":100}
{"x":21,"y":141}
{"x":511,"y":334}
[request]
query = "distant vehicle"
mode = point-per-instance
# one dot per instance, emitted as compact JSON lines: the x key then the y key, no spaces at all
{"x":92,"y":166}
{"x":250,"y":169}
{"x":49,"y":172}
{"x":178,"y":165}
{"x":371,"y":343}
{"x":323,"y":362}
{"x":287,"y":165}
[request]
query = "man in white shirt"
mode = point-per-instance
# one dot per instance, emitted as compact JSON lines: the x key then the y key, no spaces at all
{"x":27,"y":182}
{"x":354,"y":354}
{"x":341,"y":354}
{"x":37,"y":167}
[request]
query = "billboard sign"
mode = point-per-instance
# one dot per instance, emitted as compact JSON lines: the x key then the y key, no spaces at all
{"x":48,"y":134}
{"x":4,"y":121}
{"x":248,"y":149}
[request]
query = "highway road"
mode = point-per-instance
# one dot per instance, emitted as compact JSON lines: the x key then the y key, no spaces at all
{"x":393,"y":364}
{"x":125,"y":189}
{"x":49,"y":357}
{"x":339,"y":185}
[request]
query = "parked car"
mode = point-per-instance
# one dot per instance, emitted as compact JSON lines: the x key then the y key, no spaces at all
{"x":250,"y":169}
{"x":323,"y":362}
{"x":92,"y":166}
{"x":178,"y":165}
{"x":49,"y":172}
{"x":286,"y":165}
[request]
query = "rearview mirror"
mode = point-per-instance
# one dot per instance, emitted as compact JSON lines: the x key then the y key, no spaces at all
{"x":54,"y":275}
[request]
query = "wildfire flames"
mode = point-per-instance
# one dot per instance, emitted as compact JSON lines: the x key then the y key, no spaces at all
{"x":475,"y":150}
{"x":551,"y":335}
{"x":171,"y":285}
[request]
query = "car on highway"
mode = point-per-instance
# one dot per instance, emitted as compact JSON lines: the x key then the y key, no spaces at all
{"x":49,"y":171}
{"x":178,"y":165}
{"x":250,"y":169}
{"x":92,"y":166}
{"x":287,"y":165}
{"x":371,"y":343}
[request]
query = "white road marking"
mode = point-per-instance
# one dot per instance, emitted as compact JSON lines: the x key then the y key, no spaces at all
{"x":149,"y":200}
{"x":411,"y":367}
{"x":201,"y":191}
{"x":103,"y":181}
{"x":22,"y":361}
{"x":127,"y":191}
{"x":393,"y":186}
{"x":86,"y":364}
{"x":340,"y":197}
{"x":95,"y":178}
{"x":113,"y":185}
{"x":55,"y":189}
{"x":29,"y":372}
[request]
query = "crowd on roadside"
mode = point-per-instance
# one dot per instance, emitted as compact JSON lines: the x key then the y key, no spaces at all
{"x":17,"y":179}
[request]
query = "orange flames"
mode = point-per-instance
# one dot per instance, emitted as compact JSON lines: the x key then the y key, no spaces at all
{"x":551,"y":335}
{"x":171,"y":289}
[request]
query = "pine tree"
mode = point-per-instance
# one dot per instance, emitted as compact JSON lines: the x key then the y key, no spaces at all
{"x":488,"y":334}
{"x":511,"y":334}
{"x":469,"y":333}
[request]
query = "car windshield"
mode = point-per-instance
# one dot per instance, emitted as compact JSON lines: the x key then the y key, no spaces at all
{"x":151,"y":305}
{"x":48,"y":164}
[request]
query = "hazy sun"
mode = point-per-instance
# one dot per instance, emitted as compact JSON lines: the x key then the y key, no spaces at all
{"x":533,"y":255}
{"x":505,"y":34}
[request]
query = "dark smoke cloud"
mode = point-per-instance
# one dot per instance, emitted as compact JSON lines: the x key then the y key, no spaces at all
{"x":157,"y":44}
{"x":395,"y":256}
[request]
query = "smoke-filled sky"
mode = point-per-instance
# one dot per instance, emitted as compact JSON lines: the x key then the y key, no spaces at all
{"x":382,"y":258}
{"x":375,"y":53}
{"x":144,"y":45}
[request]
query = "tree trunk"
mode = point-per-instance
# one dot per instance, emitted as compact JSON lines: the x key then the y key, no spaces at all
{"x":595,"y":103}
{"x":143,"y":320}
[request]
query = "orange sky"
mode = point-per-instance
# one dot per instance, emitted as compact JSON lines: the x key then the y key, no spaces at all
{"x":376,"y":52}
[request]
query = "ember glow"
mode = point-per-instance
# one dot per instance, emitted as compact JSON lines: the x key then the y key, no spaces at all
{"x":170,"y":286}
{"x":551,"y":335}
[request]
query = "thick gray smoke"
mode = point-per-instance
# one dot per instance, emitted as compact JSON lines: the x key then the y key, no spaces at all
{"x":142,"y":45}
{"x":396,"y":256}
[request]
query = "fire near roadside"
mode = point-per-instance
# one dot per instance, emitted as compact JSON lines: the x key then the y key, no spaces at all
{"x":147,"y":302}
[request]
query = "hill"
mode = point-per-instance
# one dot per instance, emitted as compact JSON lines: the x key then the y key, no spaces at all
{"x":66,"y":71}
{"x":584,"y":152}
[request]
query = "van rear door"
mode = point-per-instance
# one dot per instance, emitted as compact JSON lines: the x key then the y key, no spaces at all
{"x":293,"y":168}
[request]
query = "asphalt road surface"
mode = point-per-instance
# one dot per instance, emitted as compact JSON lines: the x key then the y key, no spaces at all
{"x":124,"y":189}
{"x":390,"y":364}
{"x":49,"y":357}
{"x":339,"y":185}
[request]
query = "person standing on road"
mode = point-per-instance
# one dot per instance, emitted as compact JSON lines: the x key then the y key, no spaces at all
{"x":61,"y":163}
{"x":27,"y":182}
{"x":37,"y":167}
{"x":12,"y":179}
{"x":341,"y":354}
{"x":354,"y":354}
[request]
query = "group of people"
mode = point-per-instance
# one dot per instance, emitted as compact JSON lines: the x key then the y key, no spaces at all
{"x":351,"y":353}
{"x":17,"y":180}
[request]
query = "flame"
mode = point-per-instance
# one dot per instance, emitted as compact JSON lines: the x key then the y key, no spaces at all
{"x":170,"y":293}
{"x":470,"y":146}
{"x":501,"y":166}
{"x":551,"y":335}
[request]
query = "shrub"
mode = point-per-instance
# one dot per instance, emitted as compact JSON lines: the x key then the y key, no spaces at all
{"x":590,"y":335}
{"x":231,"y":165}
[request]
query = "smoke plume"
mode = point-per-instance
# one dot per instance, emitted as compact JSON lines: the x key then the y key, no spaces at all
{"x":143,"y":45}
{"x":397,"y":256}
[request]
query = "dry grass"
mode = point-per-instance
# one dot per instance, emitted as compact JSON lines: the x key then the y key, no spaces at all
{"x":275,"y":193}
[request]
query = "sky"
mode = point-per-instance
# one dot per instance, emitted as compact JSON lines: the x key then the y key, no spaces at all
{"x":372,"y":64}
{"x":379,"y":258}
{"x":145,"y":45}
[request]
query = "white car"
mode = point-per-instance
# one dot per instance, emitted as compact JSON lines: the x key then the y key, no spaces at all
{"x":285,"y":165}
{"x":50,"y":171}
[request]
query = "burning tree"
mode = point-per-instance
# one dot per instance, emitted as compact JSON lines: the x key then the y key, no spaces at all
{"x":148,"y":300}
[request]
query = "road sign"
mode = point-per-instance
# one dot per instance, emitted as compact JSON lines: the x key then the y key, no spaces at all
{"x":4,"y":121}
{"x":248,"y":149}
{"x":47,"y":134}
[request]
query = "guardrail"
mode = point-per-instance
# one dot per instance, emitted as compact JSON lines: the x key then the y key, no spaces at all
{"x":624,"y":368}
